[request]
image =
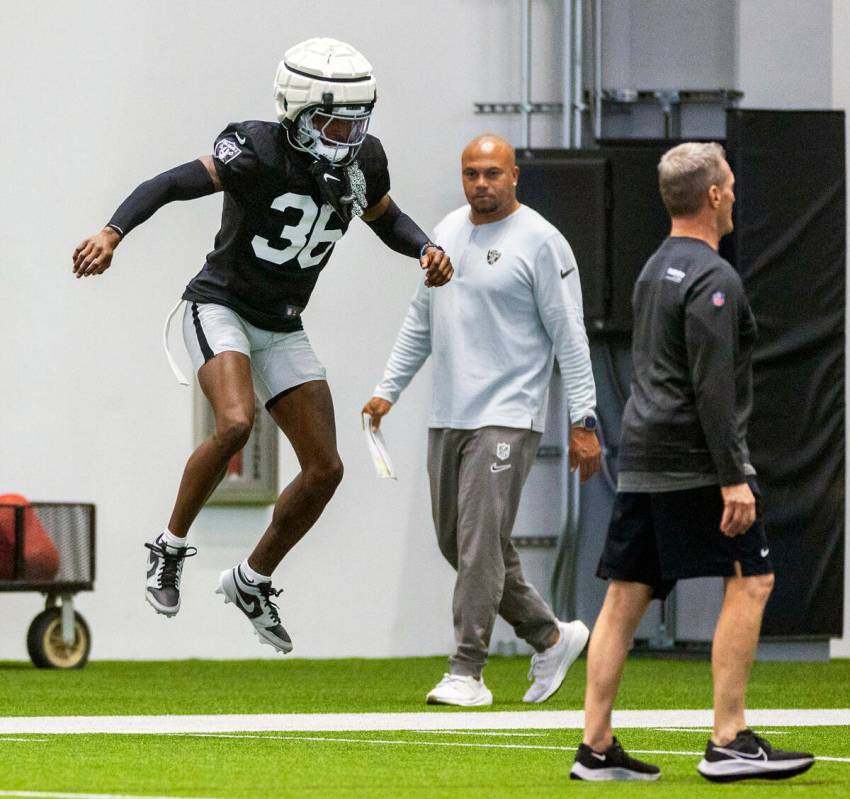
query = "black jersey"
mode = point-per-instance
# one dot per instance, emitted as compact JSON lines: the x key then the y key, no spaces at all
{"x":277,"y":232}
{"x":692,"y":383}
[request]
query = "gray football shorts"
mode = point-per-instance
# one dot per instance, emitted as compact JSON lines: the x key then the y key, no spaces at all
{"x":279,"y":361}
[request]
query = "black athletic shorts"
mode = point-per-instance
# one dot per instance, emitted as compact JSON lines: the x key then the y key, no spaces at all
{"x":659,"y":538}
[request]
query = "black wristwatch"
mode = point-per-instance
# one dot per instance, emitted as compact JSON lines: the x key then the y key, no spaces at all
{"x":428,"y":244}
{"x":587,"y":422}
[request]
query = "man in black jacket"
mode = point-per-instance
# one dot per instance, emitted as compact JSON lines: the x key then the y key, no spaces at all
{"x":687,"y":502}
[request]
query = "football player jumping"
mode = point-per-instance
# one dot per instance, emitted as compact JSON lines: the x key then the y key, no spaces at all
{"x":290,"y":191}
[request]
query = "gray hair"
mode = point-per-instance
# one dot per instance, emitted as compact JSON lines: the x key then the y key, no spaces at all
{"x":685,"y":174}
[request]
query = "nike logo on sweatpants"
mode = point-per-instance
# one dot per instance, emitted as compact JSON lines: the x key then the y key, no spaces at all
{"x":499,"y":467}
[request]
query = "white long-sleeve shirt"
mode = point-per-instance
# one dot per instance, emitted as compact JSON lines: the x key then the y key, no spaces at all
{"x":513,"y":305}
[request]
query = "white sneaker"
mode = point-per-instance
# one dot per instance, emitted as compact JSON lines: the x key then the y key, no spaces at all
{"x":460,"y":689}
{"x":549,"y":667}
{"x":255,"y":601}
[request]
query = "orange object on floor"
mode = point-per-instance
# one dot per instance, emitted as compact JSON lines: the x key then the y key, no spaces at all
{"x":41,"y":558}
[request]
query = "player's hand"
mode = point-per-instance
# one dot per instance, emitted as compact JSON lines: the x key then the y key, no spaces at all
{"x":93,"y":255}
{"x":585,"y":452}
{"x":437,"y":265}
{"x":376,"y":409}
{"x":739,"y":509}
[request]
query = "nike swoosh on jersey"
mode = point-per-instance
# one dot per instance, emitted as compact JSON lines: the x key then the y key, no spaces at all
{"x":499,"y":467}
{"x":565,"y":272}
{"x":328,"y":177}
{"x":764,"y":552}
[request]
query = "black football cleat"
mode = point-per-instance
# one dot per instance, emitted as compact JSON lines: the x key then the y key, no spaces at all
{"x":255,"y":601}
{"x":165,"y":566}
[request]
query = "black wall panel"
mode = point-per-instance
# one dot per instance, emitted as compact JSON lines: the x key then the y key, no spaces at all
{"x":572,"y":194}
{"x":789,"y":247}
{"x":607,"y":205}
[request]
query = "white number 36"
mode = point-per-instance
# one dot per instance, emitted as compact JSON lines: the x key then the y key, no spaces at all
{"x":304,"y":237}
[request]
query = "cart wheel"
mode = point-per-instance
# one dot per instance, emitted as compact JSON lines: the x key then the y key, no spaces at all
{"x":46,"y":648}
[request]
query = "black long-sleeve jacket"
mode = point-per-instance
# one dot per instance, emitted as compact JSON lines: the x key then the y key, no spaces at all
{"x":692,"y":387}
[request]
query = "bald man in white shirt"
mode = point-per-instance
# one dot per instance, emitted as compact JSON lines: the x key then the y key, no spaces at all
{"x":514,"y":305}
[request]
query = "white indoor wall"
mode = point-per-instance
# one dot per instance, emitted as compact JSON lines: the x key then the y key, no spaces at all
{"x":664,"y":44}
{"x":101,"y":95}
{"x":785,"y":53}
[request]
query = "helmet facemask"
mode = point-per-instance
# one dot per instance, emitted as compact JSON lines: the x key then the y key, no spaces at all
{"x":331,"y":133}
{"x":324,"y":94}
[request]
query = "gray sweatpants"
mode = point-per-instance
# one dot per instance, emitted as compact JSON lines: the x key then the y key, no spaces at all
{"x":476,"y":482}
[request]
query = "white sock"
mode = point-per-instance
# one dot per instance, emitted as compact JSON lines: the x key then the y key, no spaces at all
{"x":173,"y":541}
{"x":254,"y":577}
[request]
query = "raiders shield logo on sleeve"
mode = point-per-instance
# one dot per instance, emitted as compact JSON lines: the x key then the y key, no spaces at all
{"x":226,"y":150}
{"x":493,"y":256}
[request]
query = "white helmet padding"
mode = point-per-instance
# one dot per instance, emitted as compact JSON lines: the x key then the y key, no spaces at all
{"x":324,"y":94}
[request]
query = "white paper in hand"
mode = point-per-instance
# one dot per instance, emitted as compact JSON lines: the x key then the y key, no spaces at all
{"x":378,"y":450}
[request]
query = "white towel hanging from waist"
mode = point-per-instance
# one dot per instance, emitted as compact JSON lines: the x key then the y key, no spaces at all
{"x":181,"y":378}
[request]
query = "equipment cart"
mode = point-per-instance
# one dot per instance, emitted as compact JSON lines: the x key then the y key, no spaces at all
{"x":49,"y":547}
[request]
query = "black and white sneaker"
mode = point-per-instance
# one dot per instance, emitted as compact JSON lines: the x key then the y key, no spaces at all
{"x":255,"y":601}
{"x":751,"y":757}
{"x":612,"y":764}
{"x":165,"y":565}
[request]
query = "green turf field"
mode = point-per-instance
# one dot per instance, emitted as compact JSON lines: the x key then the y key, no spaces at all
{"x":430,"y":765}
{"x":351,"y":686}
{"x":469,"y":763}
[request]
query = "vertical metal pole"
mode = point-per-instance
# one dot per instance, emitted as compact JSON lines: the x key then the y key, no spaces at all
{"x":20,"y":537}
{"x":69,"y":633}
{"x":597,"y":69}
{"x":567,"y":66}
{"x":578,"y":82}
{"x":525,"y":73}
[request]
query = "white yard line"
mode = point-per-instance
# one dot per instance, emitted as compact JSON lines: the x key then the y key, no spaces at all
{"x":709,"y":729}
{"x":446,"y":720}
{"x":461,"y":744}
{"x":478,"y":733}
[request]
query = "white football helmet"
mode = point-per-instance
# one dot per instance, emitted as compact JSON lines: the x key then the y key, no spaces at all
{"x":324,"y":93}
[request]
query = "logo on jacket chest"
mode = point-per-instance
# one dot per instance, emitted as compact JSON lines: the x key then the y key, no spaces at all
{"x":493,"y":256}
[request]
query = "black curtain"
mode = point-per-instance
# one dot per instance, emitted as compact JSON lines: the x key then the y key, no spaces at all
{"x":789,"y":247}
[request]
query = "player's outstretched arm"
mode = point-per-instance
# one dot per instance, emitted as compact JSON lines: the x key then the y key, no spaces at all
{"x":198,"y":178}
{"x":400,"y":233}
{"x":93,"y":255}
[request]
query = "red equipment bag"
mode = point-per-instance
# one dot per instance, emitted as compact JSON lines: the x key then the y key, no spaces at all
{"x":41,"y":558}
